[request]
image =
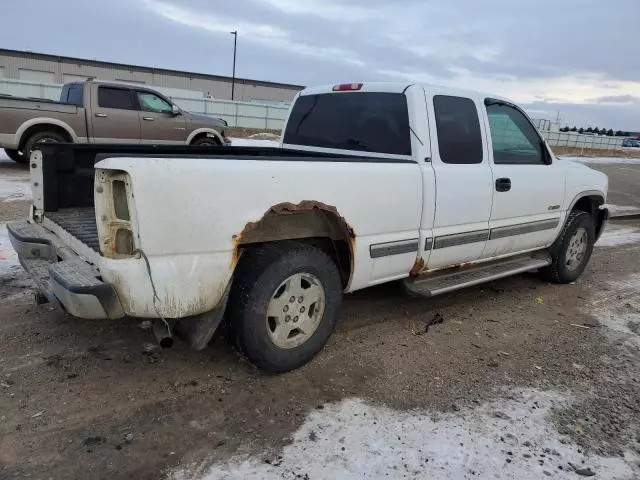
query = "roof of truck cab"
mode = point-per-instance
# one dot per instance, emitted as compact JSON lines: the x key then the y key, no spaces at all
{"x":399,"y":87}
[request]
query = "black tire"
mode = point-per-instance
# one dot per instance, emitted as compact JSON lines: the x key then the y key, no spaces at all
{"x":40,"y":137}
{"x":15,"y":155}
{"x":259,"y":275}
{"x":559,"y":271}
{"x":205,"y":142}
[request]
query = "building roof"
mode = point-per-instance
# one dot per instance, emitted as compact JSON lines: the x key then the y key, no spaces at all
{"x":100,"y":63}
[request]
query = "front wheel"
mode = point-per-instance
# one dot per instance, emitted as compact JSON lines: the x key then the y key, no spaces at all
{"x":284,"y":304}
{"x":572,"y":250}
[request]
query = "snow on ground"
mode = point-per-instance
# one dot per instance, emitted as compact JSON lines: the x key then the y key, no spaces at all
{"x":622,"y":324}
{"x":9,"y":265}
{"x":251,"y":142}
{"x":615,"y":209}
{"x":616,"y":235}
{"x":601,"y":160}
{"x":14,"y":189}
{"x":510,"y":438}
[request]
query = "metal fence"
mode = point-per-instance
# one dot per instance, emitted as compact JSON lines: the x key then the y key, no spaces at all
{"x":581,"y":141}
{"x":237,"y":114}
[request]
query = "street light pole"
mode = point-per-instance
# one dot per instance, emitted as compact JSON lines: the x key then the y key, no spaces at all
{"x":233,"y":79}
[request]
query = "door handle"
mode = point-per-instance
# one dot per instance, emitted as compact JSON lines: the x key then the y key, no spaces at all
{"x":101,"y":115}
{"x":503,"y":184}
{"x":148,"y":119}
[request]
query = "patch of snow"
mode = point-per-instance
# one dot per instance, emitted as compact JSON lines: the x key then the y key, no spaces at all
{"x":3,"y":156}
{"x":14,"y":189}
{"x":265,"y":136}
{"x":612,"y":309}
{"x":614,"y":236}
{"x":9,"y":264}
{"x":614,"y":209}
{"x":353,"y":440}
{"x":251,"y":142}
{"x":601,"y":160}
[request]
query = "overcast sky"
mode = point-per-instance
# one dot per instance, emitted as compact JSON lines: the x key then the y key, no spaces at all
{"x":579,"y":57}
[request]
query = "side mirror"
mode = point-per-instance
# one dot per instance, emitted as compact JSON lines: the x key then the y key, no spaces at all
{"x":175,"y":110}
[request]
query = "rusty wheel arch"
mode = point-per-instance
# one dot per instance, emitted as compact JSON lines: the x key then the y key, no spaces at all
{"x":309,"y":221}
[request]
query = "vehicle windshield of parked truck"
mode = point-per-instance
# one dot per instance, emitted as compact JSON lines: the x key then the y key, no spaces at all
{"x":435,"y":187}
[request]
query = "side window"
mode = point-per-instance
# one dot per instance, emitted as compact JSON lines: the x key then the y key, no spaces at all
{"x":458,"y":126}
{"x":515,"y":141}
{"x":150,"y":102}
{"x":110,"y":97}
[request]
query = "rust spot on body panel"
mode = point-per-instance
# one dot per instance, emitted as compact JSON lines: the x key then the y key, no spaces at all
{"x":417,"y":268}
{"x":290,"y":221}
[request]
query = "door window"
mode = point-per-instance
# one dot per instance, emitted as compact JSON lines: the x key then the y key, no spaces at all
{"x":515,"y":141}
{"x":458,"y":126}
{"x":150,"y":102}
{"x":121,"y":98}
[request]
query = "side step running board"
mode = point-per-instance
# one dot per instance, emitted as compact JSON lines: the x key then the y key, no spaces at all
{"x":444,"y":281}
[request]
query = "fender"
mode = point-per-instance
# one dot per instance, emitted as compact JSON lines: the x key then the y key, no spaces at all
{"x":576,"y":199}
{"x":586,"y":193}
{"x":209,"y":131}
{"x":44,"y":121}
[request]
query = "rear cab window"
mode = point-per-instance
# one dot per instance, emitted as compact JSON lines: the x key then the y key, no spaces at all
{"x":376,"y":122}
{"x":458,"y":129}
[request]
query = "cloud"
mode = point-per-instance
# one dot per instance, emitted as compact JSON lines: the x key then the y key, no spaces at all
{"x":252,"y":32}
{"x":618,"y":100}
{"x":325,"y":9}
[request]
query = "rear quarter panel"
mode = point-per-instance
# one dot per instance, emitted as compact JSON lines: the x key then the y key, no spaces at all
{"x":16,"y":116}
{"x":188,"y":210}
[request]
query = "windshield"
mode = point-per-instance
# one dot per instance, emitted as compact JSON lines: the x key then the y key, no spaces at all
{"x":362,"y":121}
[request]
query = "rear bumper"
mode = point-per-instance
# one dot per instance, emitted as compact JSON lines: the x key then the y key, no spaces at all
{"x":61,"y":275}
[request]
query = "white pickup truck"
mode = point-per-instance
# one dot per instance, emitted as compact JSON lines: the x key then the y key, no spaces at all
{"x":372,"y":183}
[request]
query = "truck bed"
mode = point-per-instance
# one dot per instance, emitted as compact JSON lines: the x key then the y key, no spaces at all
{"x":40,"y":104}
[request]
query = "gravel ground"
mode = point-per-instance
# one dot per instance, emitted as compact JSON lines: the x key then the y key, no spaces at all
{"x":518,"y":370}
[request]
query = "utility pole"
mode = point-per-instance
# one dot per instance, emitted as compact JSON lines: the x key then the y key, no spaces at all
{"x":233,"y":79}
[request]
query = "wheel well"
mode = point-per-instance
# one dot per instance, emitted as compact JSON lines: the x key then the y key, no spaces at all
{"x":591,"y":204}
{"x":43,"y":127}
{"x":204,"y":135}
{"x":309,"y":222}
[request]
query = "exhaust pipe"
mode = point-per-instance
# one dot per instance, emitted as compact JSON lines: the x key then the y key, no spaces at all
{"x":162,"y":333}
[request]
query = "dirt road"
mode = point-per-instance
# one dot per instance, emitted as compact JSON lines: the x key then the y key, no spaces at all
{"x":522,"y":378}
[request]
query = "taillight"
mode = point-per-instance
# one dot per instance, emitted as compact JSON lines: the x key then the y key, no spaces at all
{"x":347,"y":87}
{"x":120,"y":200}
{"x":112,"y":202}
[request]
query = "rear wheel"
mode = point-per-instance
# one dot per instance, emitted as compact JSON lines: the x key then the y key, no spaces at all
{"x":40,"y":137}
{"x":572,"y":250}
{"x":15,"y":155}
{"x":284,"y":304}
